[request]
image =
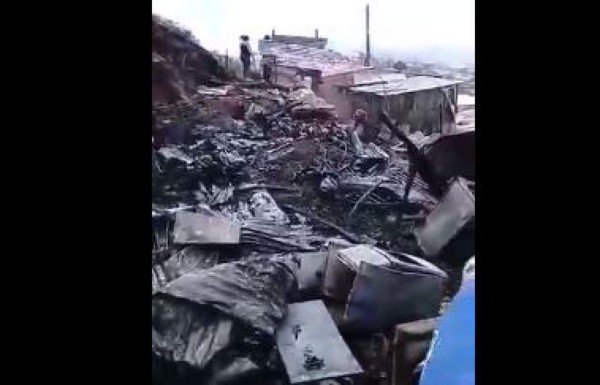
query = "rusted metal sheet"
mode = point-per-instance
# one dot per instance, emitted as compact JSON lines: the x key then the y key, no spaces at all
{"x":311,"y":347}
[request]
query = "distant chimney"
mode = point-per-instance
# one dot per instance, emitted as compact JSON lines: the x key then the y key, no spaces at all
{"x":317,"y":33}
{"x":273,"y":33}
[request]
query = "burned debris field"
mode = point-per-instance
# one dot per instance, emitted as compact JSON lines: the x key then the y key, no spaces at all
{"x":286,"y":249}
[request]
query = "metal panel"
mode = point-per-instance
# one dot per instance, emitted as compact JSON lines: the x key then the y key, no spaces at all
{"x":453,"y":155}
{"x":325,"y":61}
{"x":311,"y":347}
{"x":402,"y":86}
{"x":342,"y":265}
{"x":338,"y":277}
{"x":310,"y":274}
{"x":382,"y":297}
{"x":455,"y":210}
{"x":195,"y":228}
{"x":356,"y":255}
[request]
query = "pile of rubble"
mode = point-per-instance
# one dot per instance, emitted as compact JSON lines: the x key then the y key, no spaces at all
{"x":281,"y":253}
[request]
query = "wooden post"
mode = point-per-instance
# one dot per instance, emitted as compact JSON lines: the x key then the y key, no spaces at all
{"x":227,"y":59}
{"x":442,"y":113}
{"x":456,"y":96}
{"x":368,"y":48}
{"x":317,"y":33}
{"x":273,"y":33}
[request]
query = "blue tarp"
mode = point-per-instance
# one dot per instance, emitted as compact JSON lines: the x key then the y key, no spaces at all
{"x":452,"y":359}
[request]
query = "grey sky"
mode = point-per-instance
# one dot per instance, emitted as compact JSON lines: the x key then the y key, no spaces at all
{"x":445,"y":27}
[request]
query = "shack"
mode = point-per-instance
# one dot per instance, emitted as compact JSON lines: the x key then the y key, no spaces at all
{"x":334,"y":87}
{"x":423,"y":103}
{"x":420,"y":103}
{"x":318,"y":68}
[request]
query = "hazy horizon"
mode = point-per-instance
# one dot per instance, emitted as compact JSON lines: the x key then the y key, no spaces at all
{"x":427,"y":30}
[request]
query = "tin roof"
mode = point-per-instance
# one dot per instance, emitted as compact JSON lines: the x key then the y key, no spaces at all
{"x":403,"y":86}
{"x":316,"y":42}
{"x":364,"y":78}
{"x":326,"y":61}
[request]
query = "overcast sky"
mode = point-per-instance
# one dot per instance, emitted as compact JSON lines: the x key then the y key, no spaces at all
{"x":432,"y":27}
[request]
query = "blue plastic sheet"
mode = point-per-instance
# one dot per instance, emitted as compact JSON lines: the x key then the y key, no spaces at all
{"x":452,"y":359}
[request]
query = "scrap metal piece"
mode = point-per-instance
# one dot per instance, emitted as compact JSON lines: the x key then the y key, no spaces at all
{"x":332,"y":279}
{"x":310,"y":274}
{"x":311,"y":346}
{"x":455,"y":210}
{"x":383,"y":296}
{"x":199,"y":228}
{"x":354,"y":256}
{"x":173,"y":153}
{"x":189,"y":259}
{"x":452,"y":155}
{"x":342,"y":265}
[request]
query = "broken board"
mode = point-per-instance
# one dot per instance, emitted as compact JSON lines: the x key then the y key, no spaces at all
{"x":311,"y":346}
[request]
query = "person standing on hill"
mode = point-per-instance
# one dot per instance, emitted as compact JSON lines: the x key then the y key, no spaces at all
{"x":245,"y":54}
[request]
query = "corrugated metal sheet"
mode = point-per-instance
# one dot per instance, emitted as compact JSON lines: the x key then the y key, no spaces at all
{"x":397,"y":87}
{"x":316,"y":42}
{"x":326,"y":61}
{"x":422,"y":110}
{"x":373,"y":77}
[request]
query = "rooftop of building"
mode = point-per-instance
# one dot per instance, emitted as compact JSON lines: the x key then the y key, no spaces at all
{"x":403,"y":86}
{"x":327,"y":62}
{"x":316,"y":42}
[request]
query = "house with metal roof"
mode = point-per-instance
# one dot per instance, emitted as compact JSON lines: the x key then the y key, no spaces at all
{"x":320,"y":69}
{"x":295,"y":61}
{"x":419,"y":103}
